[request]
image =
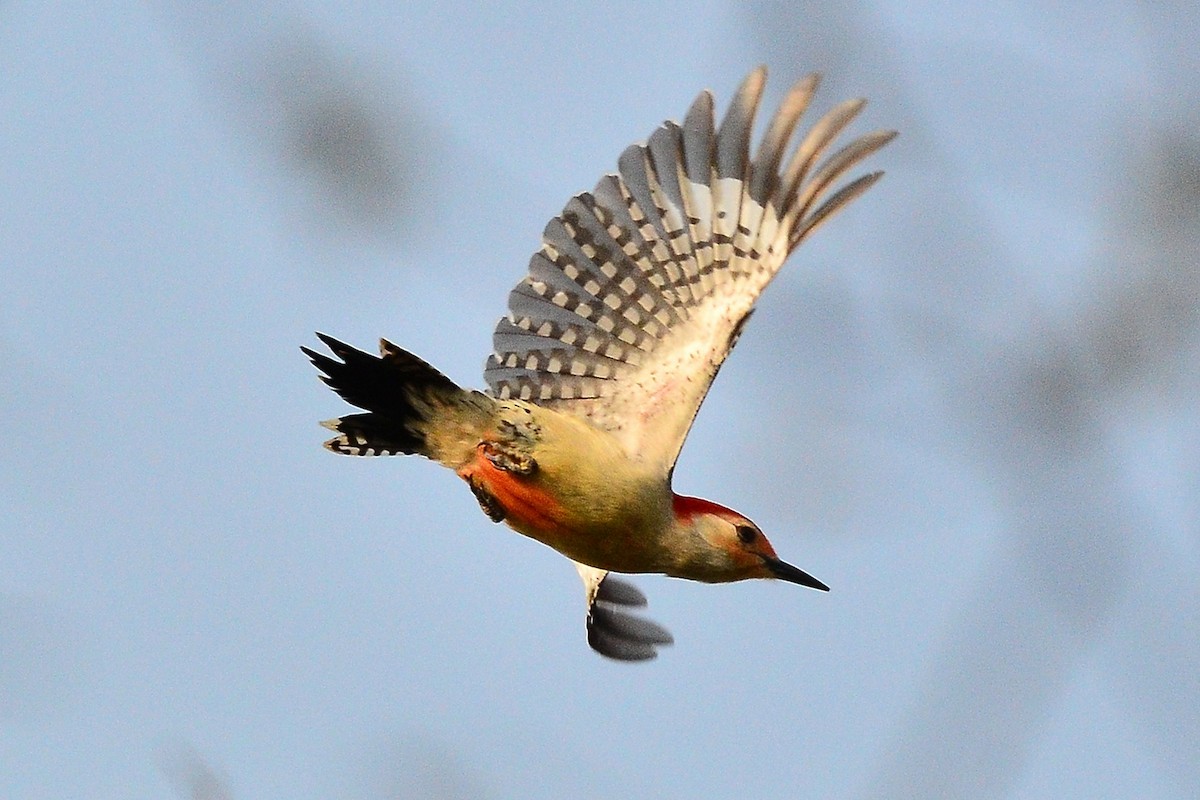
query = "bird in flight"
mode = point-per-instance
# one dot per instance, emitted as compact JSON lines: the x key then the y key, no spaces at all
{"x":636,"y":297}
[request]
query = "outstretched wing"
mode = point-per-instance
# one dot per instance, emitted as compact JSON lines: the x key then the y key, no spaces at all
{"x":612,"y":630}
{"x":642,"y":286}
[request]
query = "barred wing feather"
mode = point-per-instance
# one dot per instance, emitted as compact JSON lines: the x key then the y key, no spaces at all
{"x":641,"y":287}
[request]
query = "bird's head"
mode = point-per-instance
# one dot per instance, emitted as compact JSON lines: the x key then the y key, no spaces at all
{"x":724,"y":546}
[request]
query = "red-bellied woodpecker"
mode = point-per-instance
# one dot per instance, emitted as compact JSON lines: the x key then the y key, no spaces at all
{"x":637,"y":295}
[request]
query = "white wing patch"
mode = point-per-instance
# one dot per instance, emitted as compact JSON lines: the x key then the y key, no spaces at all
{"x":641,"y":286}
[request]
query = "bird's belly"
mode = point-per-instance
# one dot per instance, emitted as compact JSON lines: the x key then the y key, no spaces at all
{"x":524,"y":502}
{"x":594,"y":531}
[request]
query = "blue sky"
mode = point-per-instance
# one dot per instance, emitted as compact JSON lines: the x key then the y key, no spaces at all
{"x":967,"y":405}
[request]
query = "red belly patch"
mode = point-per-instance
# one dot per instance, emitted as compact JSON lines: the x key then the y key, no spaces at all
{"x":527,"y":505}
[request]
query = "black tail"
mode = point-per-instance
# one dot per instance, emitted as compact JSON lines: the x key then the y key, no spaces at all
{"x":396,"y":389}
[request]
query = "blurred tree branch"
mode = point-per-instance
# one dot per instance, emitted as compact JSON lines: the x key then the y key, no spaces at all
{"x":1034,"y":412}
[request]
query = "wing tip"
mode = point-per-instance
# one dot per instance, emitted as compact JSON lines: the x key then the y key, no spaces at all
{"x":615,"y":633}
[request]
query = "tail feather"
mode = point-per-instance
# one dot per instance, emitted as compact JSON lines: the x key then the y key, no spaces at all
{"x":371,"y":435}
{"x":402,"y":395}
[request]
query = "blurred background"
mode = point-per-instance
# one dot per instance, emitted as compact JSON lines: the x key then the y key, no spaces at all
{"x":969,"y":405}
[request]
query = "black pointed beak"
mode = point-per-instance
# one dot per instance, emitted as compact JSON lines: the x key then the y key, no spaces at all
{"x":786,"y":572}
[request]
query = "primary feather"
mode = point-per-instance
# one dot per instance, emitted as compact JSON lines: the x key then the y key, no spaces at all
{"x":641,"y":286}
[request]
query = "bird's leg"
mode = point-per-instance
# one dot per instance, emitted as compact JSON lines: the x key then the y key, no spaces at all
{"x":512,"y":453}
{"x":487,"y":501}
{"x":511,"y":460}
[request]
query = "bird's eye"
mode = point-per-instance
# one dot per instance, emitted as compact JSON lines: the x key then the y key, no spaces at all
{"x":746,"y":534}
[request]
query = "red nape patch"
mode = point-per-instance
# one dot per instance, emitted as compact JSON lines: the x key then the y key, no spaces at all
{"x":526,"y":504}
{"x":688,"y":507}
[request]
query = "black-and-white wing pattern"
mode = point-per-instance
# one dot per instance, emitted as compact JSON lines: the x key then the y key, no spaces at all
{"x":642,"y":285}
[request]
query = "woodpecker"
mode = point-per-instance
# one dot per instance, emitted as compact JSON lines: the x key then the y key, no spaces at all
{"x":637,"y":295}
